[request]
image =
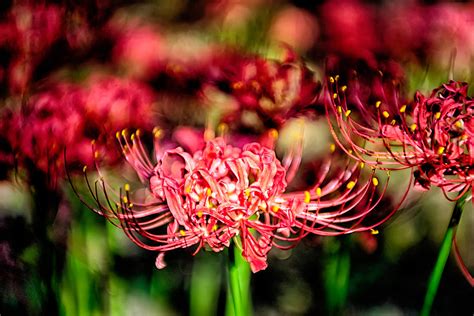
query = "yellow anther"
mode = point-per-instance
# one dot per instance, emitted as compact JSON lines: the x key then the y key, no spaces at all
{"x":377,"y":104}
{"x":96,"y":154}
{"x":464,"y":137}
{"x":117,"y":134}
{"x":458,"y":124}
{"x":157,"y":133}
{"x":93,"y":142}
{"x":350,"y":185}
{"x":331,"y":79}
{"x":199,"y":214}
{"x":237,"y":85}
{"x":214,"y":228}
{"x":343,"y":88}
{"x":441,"y":150}
{"x":273,"y":133}
{"x":413,"y":127}
{"x":332,"y":148}
{"x":437,"y":115}
{"x":127,"y":187}
{"x":132,"y":137}
{"x":130,"y":205}
{"x":187,"y":189}
{"x":334,"y":96}
{"x":307,"y":197}
{"x":318,"y":191}
{"x":336,"y":78}
{"x":393,"y":122}
{"x":182,"y":233}
{"x":347,"y":113}
{"x":339,"y":109}
{"x":84,"y":169}
{"x":125,"y":199}
{"x":350,"y":151}
{"x":208,"y":192}
{"x":138,"y":132}
{"x":362,"y":165}
{"x":222,"y":128}
{"x":124,"y":133}
{"x":247,"y":192}
{"x":275,"y":208}
{"x":385,"y":114}
{"x":375,"y":181}
{"x":374,"y":231}
{"x":403,"y":109}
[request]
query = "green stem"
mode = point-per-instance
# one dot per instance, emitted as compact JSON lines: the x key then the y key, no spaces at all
{"x":239,"y":283}
{"x":443,"y":255}
{"x":205,"y":278}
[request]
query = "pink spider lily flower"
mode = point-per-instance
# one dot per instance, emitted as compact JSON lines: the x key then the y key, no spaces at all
{"x":224,"y":193}
{"x":432,"y":135}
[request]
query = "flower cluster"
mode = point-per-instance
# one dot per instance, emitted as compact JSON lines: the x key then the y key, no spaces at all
{"x":432,"y":134}
{"x":223,"y":194}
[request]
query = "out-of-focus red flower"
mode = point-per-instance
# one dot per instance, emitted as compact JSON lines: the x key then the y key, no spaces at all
{"x":295,"y":27}
{"x":114,"y":104}
{"x":350,"y":29}
{"x":49,"y":123}
{"x":274,"y":90}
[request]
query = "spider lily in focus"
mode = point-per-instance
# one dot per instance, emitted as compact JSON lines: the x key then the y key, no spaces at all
{"x":433,"y":135}
{"x":223,"y":193}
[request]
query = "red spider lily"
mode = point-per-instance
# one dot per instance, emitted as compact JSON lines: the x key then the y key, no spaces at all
{"x":223,"y":192}
{"x":274,"y":90}
{"x":432,"y":135}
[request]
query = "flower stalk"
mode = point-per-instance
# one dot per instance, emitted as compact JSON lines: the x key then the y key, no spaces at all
{"x":239,"y":284}
{"x":443,"y":255}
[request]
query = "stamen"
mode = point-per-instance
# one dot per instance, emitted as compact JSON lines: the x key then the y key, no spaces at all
{"x":377,"y":104}
{"x":441,"y":150}
{"x":332,"y":148}
{"x":413,"y":127}
{"x":182,"y":233}
{"x":343,"y":88}
{"x":374,"y":231}
{"x":385,"y":114}
{"x":350,"y":185}
{"x":307,"y":197}
{"x":375,"y":181}
{"x":318,"y":191}
{"x":347,"y":113}
{"x":403,"y":109}
{"x":437,"y":115}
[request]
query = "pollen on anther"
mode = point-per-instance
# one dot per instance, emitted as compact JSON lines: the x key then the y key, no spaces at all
{"x":318,"y":191}
{"x":347,"y":113}
{"x":182,"y":233}
{"x":350,"y":185}
{"x":343,"y":88}
{"x":385,"y":114}
{"x":334,"y":96}
{"x":403,"y":109}
{"x":307,"y":197}
{"x":375,"y":181}
{"x":413,"y":127}
{"x":273,"y":133}
{"x":84,"y":169}
{"x":332,"y":148}
{"x":275,"y":208}
{"x":441,"y":150}
{"x":437,"y":115}
{"x":199,"y":214}
{"x":374,"y":231}
{"x":127,"y":187}
{"x":377,"y":104}
{"x":208,"y":192}
{"x":214,"y":228}
{"x":331,"y":79}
